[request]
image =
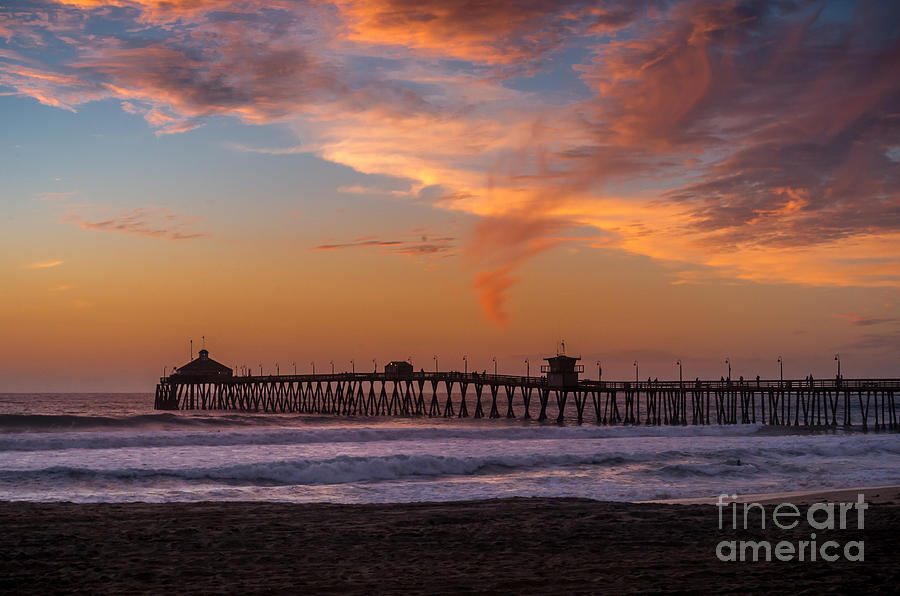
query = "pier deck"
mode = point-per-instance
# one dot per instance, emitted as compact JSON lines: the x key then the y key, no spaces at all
{"x":810,"y":403}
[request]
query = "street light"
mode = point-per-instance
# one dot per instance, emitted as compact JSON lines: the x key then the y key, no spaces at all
{"x":494,"y":358}
{"x":678,"y":362}
{"x":332,"y":367}
{"x":260,"y":369}
{"x":781,"y":368}
{"x":435,"y":363}
{"x":466,"y":363}
{"x":527,"y":368}
{"x":599,"y":371}
{"x":728,"y":362}
{"x":277,"y":370}
{"x":295,"y":366}
{"x":313,"y":365}
{"x":375,"y":365}
{"x":353,"y":366}
{"x":636,"y":371}
{"x":837,"y":358}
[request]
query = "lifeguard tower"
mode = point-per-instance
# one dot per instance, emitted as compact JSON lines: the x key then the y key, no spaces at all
{"x":561,"y":370}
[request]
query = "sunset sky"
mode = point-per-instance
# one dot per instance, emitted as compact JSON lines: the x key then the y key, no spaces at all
{"x":392,"y":179}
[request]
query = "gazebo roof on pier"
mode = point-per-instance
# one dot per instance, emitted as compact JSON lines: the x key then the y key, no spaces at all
{"x":204,"y":366}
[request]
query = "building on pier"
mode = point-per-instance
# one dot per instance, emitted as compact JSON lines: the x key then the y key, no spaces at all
{"x":398,"y":369}
{"x":204,"y":367}
{"x":562,"y":371}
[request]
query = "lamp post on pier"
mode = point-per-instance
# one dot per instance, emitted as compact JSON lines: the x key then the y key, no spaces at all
{"x":837,"y":358}
{"x":781,"y":369}
{"x":374,"y":365}
{"x":599,"y":372}
{"x":728,"y":362}
{"x":352,"y":367}
{"x":332,"y":367}
{"x":636,"y":372}
{"x":295,"y":367}
{"x":277,"y":370}
{"x":680,"y":376}
{"x":466,"y":364}
{"x":494,"y":359}
{"x":435,"y":363}
{"x":313,"y":365}
{"x":527,"y":369}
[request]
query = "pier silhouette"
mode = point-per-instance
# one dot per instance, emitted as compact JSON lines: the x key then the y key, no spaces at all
{"x":558,"y":393}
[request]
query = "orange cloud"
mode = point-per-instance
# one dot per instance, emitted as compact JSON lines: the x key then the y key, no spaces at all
{"x":45,"y":264}
{"x":492,"y":287}
{"x":493,"y":32}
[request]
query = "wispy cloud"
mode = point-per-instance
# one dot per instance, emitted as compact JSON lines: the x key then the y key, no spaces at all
{"x":58,"y":196}
{"x":358,"y":189}
{"x":267,"y":150}
{"x":865,"y":321}
{"x":492,"y":287}
{"x":158,"y":222}
{"x":422,"y":245}
{"x":889,"y":342}
{"x":44,"y":264}
{"x":358,"y":244}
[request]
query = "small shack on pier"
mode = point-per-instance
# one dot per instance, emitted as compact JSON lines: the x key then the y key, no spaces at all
{"x":398,"y":369}
{"x":205,"y":367}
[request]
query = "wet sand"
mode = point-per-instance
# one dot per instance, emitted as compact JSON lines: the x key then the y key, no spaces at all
{"x":872,"y":494}
{"x":530,"y":546}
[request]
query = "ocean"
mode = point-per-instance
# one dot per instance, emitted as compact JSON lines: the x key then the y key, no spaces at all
{"x":116,"y":448}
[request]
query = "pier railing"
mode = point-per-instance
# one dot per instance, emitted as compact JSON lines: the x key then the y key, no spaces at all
{"x":794,"y":402}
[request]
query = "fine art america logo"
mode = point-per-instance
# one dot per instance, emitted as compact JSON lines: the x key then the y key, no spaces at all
{"x":787,"y":516}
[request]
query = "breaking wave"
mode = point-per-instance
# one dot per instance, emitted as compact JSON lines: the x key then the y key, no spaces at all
{"x":683,"y":463}
{"x":337,"y":470}
{"x":224,"y":433}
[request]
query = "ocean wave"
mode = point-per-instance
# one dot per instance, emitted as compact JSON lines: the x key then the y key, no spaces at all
{"x":337,"y":470}
{"x":62,"y":422}
{"x":225,"y":432}
{"x":711,"y":460}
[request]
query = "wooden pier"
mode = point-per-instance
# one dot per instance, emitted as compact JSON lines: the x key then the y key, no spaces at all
{"x":868,"y":403}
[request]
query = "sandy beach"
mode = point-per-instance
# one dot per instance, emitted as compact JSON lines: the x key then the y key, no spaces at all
{"x":494,"y":546}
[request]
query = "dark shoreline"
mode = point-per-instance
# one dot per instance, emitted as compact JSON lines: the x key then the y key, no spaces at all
{"x":494,"y":546}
